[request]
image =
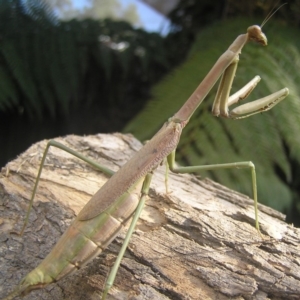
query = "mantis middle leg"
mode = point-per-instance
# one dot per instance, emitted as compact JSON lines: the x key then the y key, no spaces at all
{"x":236,"y":165}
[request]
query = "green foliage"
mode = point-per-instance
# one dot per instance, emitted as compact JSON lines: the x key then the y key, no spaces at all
{"x":47,"y":66}
{"x":270,"y":140}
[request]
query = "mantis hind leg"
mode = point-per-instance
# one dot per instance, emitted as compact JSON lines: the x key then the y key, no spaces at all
{"x":237,"y":165}
{"x":56,"y":144}
{"x":137,"y":213}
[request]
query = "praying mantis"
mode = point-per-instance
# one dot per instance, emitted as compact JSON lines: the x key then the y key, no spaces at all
{"x":124,"y":194}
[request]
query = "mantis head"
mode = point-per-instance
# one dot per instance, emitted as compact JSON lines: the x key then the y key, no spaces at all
{"x":255,"y":34}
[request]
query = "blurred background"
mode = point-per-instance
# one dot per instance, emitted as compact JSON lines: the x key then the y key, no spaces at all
{"x":98,"y":66}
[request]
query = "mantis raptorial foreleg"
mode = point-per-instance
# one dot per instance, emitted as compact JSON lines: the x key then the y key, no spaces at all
{"x":223,"y":101}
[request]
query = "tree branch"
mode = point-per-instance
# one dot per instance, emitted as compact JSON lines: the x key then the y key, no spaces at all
{"x":197,"y":242}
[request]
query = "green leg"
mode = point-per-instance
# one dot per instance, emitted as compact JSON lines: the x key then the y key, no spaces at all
{"x":62,"y":147}
{"x":113,"y":271}
{"x":238,"y":165}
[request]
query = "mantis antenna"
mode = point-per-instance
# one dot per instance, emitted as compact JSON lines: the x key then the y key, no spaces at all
{"x":270,"y":15}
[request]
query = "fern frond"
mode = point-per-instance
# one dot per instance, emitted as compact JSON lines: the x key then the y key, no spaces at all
{"x":61,"y":67}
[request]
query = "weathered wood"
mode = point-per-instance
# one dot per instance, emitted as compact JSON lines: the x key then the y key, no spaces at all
{"x":198,"y":242}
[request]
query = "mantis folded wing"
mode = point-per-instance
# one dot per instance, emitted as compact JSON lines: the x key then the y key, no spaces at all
{"x":102,"y":217}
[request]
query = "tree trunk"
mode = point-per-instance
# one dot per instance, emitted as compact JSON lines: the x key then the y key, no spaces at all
{"x":196,"y":242}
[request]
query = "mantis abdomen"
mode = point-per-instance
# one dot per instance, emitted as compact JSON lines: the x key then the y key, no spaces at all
{"x":82,"y":241}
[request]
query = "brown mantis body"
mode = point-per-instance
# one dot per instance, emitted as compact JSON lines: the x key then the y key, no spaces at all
{"x":124,"y":194}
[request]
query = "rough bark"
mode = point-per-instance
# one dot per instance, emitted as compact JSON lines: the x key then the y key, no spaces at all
{"x":197,"y":242}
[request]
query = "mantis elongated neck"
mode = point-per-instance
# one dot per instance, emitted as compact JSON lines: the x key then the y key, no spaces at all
{"x":187,"y":110}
